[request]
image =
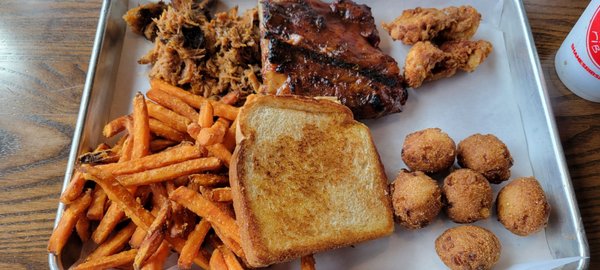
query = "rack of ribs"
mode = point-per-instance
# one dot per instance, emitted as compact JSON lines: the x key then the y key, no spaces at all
{"x":312,"y":48}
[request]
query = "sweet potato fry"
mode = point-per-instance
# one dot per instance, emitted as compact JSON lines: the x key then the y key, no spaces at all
{"x":208,"y":210}
{"x":170,"y":172}
{"x":65,"y":226}
{"x":173,"y":103}
{"x":208,"y":180}
{"x":205,"y":118}
{"x":220,"y":109}
{"x":141,"y":127}
{"x":230,"y":259}
{"x":229,"y":139}
{"x":82,"y":227}
{"x":119,"y":144}
{"x":193,"y":130}
{"x":107,"y":262}
{"x":192,"y":244}
{"x":137,"y":237}
{"x":96,"y":209}
{"x":162,"y":130}
{"x":307,"y":262}
{"x":115,"y":126}
{"x":127,"y":150}
{"x":220,"y":151}
{"x":140,"y":216}
{"x":217,"y":262}
{"x":154,"y":236}
{"x":168,"y":117}
{"x":159,"y":258}
{"x":107,"y":224}
{"x":158,"y":145}
{"x":217,"y":194}
{"x":74,"y":188}
{"x":230,"y":98}
{"x":115,"y":243}
{"x":229,"y":242}
{"x":214,"y":134}
{"x":185,"y":151}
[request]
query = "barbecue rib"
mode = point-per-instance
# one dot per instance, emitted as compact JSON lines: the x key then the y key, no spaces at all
{"x":311,"y":48}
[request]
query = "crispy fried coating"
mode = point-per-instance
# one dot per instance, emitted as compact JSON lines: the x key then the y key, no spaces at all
{"x":466,"y":55}
{"x":430,"y":150}
{"x":468,"y":247}
{"x":426,"y":62}
{"x":468,"y":196}
{"x":416,"y":199}
{"x":419,"y":24}
{"x":522,"y":206}
{"x":487,"y":155}
{"x":427,"y":24}
{"x":465,"y":21}
{"x":423,"y":62}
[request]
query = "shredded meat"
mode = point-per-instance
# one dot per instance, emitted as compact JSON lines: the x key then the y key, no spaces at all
{"x":207,"y":56}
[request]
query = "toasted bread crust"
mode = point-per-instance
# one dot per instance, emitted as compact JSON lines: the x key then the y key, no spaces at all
{"x":257,"y":253}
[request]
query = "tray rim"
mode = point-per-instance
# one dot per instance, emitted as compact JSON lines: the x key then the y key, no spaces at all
{"x":538,"y":76}
{"x":540,"y":80}
{"x":53,"y":260}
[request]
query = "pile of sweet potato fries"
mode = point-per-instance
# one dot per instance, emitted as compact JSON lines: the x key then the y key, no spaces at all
{"x":163,"y":186}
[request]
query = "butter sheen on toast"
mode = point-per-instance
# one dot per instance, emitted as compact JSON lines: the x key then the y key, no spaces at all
{"x":305,"y":177}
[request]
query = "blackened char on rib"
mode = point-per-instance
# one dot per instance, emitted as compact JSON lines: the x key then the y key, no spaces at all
{"x":316,"y":49}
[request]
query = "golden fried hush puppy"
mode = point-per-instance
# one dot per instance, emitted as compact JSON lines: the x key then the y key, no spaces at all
{"x":468,"y":247}
{"x":522,"y":206}
{"x":468,"y":196}
{"x":487,"y":155}
{"x":416,"y":198}
{"x":429,"y":150}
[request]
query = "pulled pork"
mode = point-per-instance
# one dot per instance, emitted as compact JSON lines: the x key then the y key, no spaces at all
{"x":207,"y":56}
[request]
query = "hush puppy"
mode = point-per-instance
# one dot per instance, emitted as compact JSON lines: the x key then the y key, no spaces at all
{"x":468,"y":247}
{"x":429,"y":150}
{"x":416,"y":198}
{"x":522,"y":206}
{"x":487,"y":155}
{"x":467,"y":195}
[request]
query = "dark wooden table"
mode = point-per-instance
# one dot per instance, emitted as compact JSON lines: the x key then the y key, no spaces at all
{"x":44,"y":53}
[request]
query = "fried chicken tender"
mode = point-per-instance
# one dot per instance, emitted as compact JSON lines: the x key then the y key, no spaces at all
{"x":466,"y":55}
{"x":427,"y":24}
{"x":464,"y":25}
{"x":426,"y":62}
{"x":419,"y":24}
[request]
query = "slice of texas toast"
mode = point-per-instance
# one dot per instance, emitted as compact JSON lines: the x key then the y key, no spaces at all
{"x":305,"y":177}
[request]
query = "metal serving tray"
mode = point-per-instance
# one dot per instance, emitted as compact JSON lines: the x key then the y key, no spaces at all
{"x":565,"y":234}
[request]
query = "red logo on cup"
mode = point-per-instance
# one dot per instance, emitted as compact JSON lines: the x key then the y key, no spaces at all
{"x":593,"y":39}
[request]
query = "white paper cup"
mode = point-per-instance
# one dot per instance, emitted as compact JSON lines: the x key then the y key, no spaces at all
{"x":577,"y":61}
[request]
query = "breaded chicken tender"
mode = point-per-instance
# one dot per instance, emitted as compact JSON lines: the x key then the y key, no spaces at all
{"x":466,"y":55}
{"x":467,"y":195}
{"x":416,"y":199}
{"x":430,"y":150}
{"x":465,"y":21}
{"x":468,"y":247}
{"x":426,"y":62}
{"x":522,"y":206}
{"x":419,"y":24}
{"x":428,"y":24}
{"x":487,"y":155}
